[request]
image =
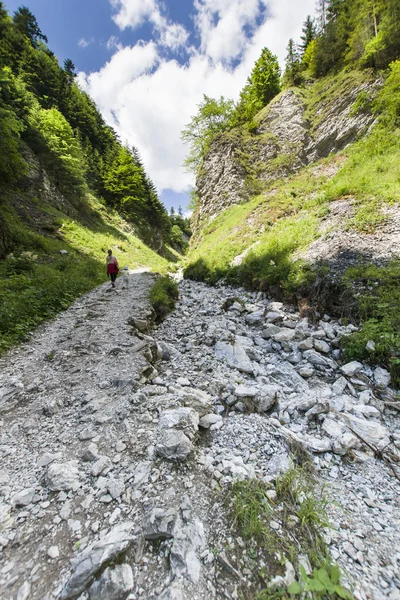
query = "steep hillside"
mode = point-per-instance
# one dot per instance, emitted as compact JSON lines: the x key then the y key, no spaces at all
{"x":299,"y":127}
{"x":292,"y":206}
{"x":37,"y":281}
{"x":66,"y":184}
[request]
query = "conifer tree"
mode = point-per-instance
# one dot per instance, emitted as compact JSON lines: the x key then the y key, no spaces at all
{"x":69,"y":69}
{"x":27,"y":24}
{"x":309,"y":34}
{"x":292,"y":75}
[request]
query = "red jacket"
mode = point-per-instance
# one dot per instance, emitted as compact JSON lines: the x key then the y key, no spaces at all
{"x":112,"y":268}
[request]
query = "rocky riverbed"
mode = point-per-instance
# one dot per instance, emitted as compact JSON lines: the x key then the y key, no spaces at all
{"x":119,"y":440}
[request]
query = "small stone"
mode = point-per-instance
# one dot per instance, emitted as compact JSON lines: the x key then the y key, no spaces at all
{"x":381,"y":378}
{"x":4,"y":477}
{"x":306,"y":372}
{"x":243,"y":391}
{"x":23,"y":498}
{"x":53,"y":552}
{"x":91,"y":453}
{"x":208,"y":420}
{"x":322,"y":346}
{"x":116,"y":488}
{"x":370,"y":347}
{"x":24,"y":591}
{"x":307,"y":344}
{"x":101,"y":466}
{"x":351,"y":368}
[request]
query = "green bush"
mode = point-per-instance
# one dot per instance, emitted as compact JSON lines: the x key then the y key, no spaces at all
{"x":378,"y":300}
{"x":163,"y":296}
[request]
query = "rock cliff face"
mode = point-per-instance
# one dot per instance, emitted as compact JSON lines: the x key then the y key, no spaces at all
{"x":293,"y":131}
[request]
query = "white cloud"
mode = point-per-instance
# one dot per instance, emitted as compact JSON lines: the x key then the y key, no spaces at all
{"x":132,"y":13}
{"x":149,"y":99}
{"x":83,"y":43}
{"x":221,"y":25}
{"x":114,"y":43}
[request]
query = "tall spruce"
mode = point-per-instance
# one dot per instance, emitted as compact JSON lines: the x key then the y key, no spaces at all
{"x":309,"y":33}
{"x":27,"y":24}
{"x":293,"y":67}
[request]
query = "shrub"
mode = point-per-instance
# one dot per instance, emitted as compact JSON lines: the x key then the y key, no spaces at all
{"x":378,"y":299}
{"x":163,"y":296}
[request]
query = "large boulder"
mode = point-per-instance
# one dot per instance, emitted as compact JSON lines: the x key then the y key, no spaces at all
{"x":188,"y":540}
{"x":370,"y":431}
{"x":63,"y":476}
{"x":159,"y":524}
{"x":287,"y":377}
{"x":183,"y":419}
{"x":114,"y":584}
{"x":173,"y":444}
{"x":102,"y":552}
{"x":234,"y":355}
{"x":268,"y":397}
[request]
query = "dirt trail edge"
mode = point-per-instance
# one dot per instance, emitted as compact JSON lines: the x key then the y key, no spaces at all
{"x":118,"y":441}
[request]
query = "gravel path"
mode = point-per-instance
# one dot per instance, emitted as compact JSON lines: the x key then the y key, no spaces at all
{"x":109,"y":489}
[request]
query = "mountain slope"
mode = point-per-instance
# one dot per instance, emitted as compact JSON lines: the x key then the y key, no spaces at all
{"x":279,"y":204}
{"x":66,"y":184}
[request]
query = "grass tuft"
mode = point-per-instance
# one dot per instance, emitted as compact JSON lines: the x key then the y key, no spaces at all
{"x":163,"y":296}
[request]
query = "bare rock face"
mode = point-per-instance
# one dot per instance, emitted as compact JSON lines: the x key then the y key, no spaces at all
{"x":284,"y":142}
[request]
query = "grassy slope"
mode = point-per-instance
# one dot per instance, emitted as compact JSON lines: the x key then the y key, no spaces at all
{"x":285,"y":218}
{"x":36,"y":282}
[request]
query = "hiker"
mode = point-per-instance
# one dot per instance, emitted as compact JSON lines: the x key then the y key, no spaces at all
{"x":125,"y":277}
{"x":112,"y":267}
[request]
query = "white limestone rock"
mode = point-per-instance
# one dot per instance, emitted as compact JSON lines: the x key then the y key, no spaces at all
{"x":63,"y":476}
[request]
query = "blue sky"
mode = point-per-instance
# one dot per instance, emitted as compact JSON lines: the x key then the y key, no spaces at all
{"x":147,"y":63}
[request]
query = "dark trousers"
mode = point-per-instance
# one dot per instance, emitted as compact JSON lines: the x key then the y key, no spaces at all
{"x":113,"y":277}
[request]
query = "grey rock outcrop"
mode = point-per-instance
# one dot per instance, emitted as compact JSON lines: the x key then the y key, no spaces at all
{"x":285,"y":141}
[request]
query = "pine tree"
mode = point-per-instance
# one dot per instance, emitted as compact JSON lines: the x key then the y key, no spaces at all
{"x":69,"y":69}
{"x":27,"y":24}
{"x":292,"y":75}
{"x":334,"y":9}
{"x":263,"y":84}
{"x":309,"y":34}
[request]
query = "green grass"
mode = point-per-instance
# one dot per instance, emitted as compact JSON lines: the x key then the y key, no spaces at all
{"x":36,"y":282}
{"x":281,"y":221}
{"x":163,"y":296}
{"x":300,"y":508}
{"x":378,"y":307}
